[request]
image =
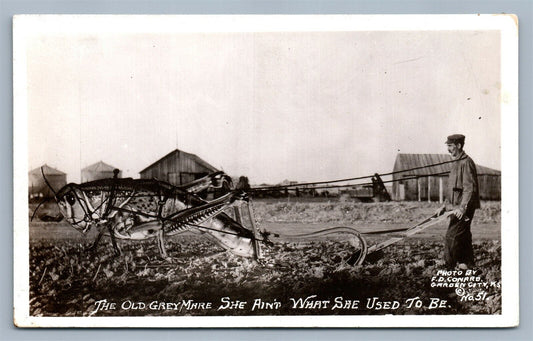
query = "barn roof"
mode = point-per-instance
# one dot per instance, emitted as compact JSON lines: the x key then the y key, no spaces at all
{"x":192,"y":156}
{"x":99,"y":167}
{"x":408,"y":161}
{"x":47,"y":171}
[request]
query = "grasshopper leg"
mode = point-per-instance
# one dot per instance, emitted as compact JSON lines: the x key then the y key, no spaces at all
{"x":94,"y":245}
{"x":116,"y":248}
{"x":161,"y":246}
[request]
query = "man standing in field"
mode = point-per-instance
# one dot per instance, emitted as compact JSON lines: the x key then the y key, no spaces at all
{"x":463,"y":195}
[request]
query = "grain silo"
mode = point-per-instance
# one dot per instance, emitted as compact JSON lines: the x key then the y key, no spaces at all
{"x":99,"y":170}
{"x":37,"y":187}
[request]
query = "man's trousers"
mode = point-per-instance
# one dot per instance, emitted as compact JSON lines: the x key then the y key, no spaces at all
{"x":458,"y":241}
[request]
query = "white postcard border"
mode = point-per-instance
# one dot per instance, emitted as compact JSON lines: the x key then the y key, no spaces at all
{"x":507,"y":24}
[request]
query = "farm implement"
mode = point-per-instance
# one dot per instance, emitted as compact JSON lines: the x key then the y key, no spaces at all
{"x":141,"y":209}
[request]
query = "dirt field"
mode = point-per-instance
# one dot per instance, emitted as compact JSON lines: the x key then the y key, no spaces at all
{"x":67,"y":280}
{"x":354,"y":213}
{"x":286,"y":217}
{"x":62,"y":231}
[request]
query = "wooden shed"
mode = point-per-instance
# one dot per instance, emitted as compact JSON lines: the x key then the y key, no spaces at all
{"x":430,"y":187}
{"x":37,"y":187}
{"x":97,"y":171}
{"x":178,"y":167}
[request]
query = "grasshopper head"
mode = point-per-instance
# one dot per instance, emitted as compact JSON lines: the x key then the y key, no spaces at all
{"x":74,"y":208}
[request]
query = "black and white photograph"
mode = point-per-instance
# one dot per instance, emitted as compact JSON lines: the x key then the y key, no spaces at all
{"x":265,"y":171}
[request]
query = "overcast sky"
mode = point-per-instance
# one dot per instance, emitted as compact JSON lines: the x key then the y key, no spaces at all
{"x":304,"y":106}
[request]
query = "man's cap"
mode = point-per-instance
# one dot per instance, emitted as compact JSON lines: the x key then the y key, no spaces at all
{"x":455,"y":138}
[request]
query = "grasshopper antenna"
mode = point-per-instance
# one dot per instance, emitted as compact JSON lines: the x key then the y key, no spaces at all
{"x":37,"y":208}
{"x":45,"y":199}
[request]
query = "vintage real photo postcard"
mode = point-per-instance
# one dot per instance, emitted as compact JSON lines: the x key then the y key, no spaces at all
{"x":266,"y":171}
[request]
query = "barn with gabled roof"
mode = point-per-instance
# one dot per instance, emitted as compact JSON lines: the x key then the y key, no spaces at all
{"x":97,"y":171}
{"x":37,"y":187}
{"x":430,"y":183}
{"x":178,"y":167}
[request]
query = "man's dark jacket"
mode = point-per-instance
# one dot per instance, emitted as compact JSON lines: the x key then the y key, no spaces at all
{"x":463,"y":193}
{"x":463,"y":188}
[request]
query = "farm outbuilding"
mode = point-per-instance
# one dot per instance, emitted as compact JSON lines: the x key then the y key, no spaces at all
{"x":97,"y":171}
{"x":178,"y":167}
{"x":37,"y":187}
{"x":430,"y":183}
